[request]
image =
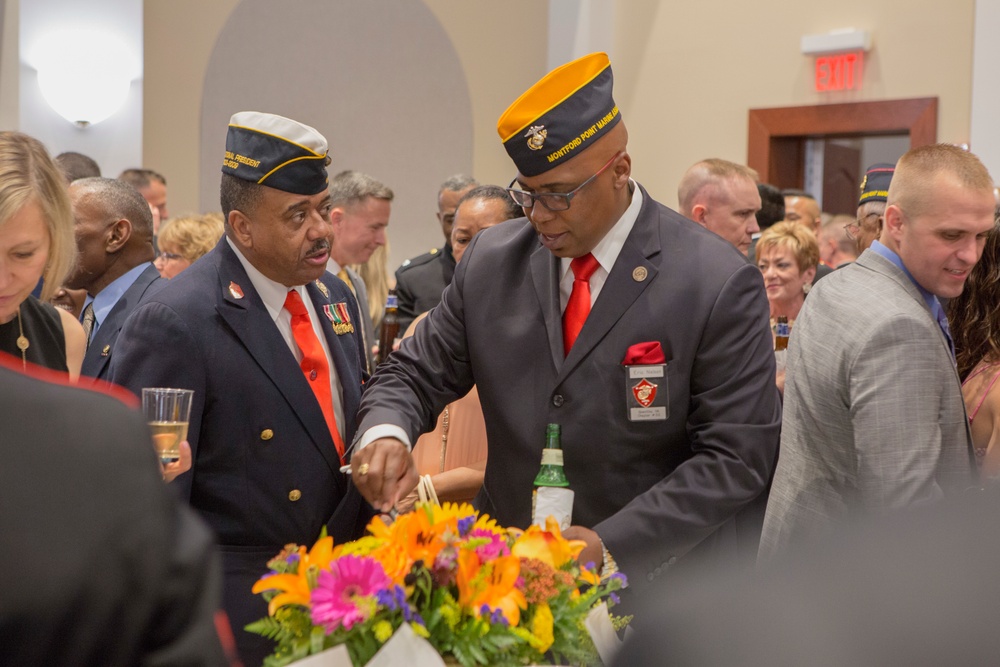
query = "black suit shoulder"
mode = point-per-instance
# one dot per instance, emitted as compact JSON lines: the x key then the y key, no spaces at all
{"x":85,"y":474}
{"x":432,"y":255}
{"x":420,"y":281}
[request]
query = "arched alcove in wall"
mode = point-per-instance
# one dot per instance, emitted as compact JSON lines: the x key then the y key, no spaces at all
{"x":380,"y":79}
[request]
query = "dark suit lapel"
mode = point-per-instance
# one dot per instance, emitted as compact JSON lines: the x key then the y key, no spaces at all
{"x":622,"y":287}
{"x":343,"y":352}
{"x":250,"y":321}
{"x":545,"y":276}
{"x":98,"y":354}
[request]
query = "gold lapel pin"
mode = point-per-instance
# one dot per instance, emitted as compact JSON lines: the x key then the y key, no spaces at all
{"x":639,"y":273}
{"x":106,"y":351}
{"x":323,"y":288}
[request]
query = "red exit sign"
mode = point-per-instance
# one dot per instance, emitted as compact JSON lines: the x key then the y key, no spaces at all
{"x":841,"y":71}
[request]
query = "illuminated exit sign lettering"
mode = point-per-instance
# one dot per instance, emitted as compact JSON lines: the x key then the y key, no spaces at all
{"x":841,"y":71}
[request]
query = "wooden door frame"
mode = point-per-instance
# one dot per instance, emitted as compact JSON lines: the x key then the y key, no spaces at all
{"x":775,"y":143}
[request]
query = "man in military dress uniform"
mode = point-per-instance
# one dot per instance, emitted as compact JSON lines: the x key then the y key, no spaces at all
{"x":421,"y":280}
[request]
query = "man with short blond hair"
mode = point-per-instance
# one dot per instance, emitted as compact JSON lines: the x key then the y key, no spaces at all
{"x":836,"y":248}
{"x":722,"y":196}
{"x":359,"y":217}
{"x":874,"y":419}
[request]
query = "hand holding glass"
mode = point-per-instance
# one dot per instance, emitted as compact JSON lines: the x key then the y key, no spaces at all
{"x":168,"y":412}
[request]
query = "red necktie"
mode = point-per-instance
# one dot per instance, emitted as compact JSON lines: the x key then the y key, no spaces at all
{"x":578,"y":306}
{"x":314,"y":365}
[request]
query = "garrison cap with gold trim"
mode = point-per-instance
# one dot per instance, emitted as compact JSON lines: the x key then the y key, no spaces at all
{"x":561,"y":115}
{"x":277,"y":152}
{"x":875,"y":184}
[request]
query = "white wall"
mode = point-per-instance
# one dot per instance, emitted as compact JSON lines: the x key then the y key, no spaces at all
{"x":985,"y":133}
{"x":116,"y":143}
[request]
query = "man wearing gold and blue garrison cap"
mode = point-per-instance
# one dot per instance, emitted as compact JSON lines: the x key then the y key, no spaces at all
{"x":644,"y":335}
{"x":265,"y":338}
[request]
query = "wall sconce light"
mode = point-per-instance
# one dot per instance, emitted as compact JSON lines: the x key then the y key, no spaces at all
{"x":84,"y":75}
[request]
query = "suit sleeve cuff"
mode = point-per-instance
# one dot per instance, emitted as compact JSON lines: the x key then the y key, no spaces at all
{"x":383,"y":431}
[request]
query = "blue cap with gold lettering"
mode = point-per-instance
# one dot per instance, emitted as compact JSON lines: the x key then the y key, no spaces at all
{"x":875,"y":184}
{"x":561,"y":115}
{"x":277,"y":152}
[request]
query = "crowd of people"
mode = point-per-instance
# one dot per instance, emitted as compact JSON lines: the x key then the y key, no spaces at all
{"x":571,"y":296}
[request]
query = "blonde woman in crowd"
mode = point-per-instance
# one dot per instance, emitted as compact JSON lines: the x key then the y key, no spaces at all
{"x":36,"y":242}
{"x":183,"y":240}
{"x":787,"y":254}
{"x":375,"y":274}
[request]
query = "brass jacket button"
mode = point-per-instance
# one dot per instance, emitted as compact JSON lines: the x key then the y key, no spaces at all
{"x":294,"y":495}
{"x":266,"y":434}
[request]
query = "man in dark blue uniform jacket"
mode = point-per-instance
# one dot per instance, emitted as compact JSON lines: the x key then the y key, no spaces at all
{"x":267,"y":449}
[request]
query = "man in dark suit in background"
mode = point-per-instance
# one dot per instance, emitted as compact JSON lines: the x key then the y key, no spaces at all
{"x":103,"y":566}
{"x":114,"y":237}
{"x":658,"y":365}
{"x":268,"y":343}
{"x":421,"y":279}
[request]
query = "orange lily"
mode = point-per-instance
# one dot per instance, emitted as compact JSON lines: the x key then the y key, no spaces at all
{"x":548,"y":546}
{"x":492,"y":584}
{"x":295,"y":588}
{"x":420,"y":537}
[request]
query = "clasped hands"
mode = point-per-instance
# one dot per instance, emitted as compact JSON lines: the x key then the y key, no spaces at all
{"x":384,"y":472}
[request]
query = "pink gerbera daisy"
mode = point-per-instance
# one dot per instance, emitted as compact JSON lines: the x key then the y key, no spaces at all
{"x":344,"y":594}
{"x":493,"y":545}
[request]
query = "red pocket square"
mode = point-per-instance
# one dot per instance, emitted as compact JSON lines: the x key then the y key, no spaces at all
{"x":645,"y":353}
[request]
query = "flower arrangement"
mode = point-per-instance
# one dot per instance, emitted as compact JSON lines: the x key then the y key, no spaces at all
{"x":479,"y":593}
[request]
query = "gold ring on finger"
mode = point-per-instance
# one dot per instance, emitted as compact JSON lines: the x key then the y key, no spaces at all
{"x":363,"y":469}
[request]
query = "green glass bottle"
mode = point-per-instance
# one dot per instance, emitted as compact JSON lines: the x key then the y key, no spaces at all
{"x":552,"y":495}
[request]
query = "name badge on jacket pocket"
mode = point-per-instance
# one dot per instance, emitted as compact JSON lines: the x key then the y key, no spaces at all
{"x":646,"y":395}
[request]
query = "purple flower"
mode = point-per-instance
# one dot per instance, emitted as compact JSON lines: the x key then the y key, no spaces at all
{"x":385,"y":598}
{"x":465,"y":525}
{"x":614,"y":598}
{"x":339,"y":589}
{"x":619,"y":576}
{"x":498,"y":617}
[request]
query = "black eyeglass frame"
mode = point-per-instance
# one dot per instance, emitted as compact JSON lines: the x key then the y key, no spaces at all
{"x":526,"y":200}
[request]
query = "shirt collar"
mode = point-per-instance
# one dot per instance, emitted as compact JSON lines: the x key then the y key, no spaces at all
{"x":109,"y":296}
{"x":272,"y":293}
{"x":606,"y":252}
{"x":884,"y":251}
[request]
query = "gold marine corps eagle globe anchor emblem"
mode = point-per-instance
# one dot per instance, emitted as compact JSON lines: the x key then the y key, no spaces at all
{"x":536,"y":136}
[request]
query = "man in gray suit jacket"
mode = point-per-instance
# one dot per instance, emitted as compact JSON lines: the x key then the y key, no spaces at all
{"x":666,"y":397}
{"x":874,"y":419}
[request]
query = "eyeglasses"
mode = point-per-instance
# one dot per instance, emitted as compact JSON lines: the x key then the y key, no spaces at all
{"x":167,"y":256}
{"x":554,"y":201}
{"x":853,"y":229}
